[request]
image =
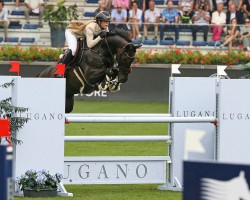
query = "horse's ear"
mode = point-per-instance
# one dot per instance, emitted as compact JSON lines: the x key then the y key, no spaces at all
{"x":138,"y":46}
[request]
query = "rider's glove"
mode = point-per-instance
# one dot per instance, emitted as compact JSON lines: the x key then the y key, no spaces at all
{"x":103,"y":34}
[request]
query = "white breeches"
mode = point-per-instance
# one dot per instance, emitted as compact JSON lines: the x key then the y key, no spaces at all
{"x":71,"y":41}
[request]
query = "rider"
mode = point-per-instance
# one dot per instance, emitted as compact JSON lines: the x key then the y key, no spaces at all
{"x":86,"y":30}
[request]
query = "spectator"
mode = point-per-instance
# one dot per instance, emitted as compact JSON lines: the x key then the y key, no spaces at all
{"x":186,"y":8}
{"x":245,"y":34}
{"x":34,"y":7}
{"x":233,"y":13}
{"x":108,"y":4}
{"x":135,"y":15}
{"x":146,"y":3}
{"x":124,"y":4}
{"x":218,"y":21}
{"x":101,"y":7}
{"x":233,"y":32}
{"x":141,"y":4}
{"x":246,"y":8}
{"x":206,"y":3}
{"x":119,"y":15}
{"x":238,"y":3}
{"x":4,"y":22}
{"x":170,"y":17}
{"x":152,"y":15}
{"x":201,"y":20}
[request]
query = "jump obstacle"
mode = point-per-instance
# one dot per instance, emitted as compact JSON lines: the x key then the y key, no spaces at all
{"x":191,"y":107}
{"x":129,"y":118}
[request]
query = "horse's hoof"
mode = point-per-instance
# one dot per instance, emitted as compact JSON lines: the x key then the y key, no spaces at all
{"x":115,"y":87}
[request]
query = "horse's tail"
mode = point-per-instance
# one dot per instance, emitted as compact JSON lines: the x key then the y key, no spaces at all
{"x":48,"y":72}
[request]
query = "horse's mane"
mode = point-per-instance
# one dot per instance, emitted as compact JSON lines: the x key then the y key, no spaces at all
{"x":122,"y":33}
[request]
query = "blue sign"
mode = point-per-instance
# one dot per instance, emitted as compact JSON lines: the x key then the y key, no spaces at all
{"x":6,"y":180}
{"x":216,"y":181}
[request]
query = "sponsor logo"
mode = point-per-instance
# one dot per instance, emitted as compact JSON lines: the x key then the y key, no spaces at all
{"x":188,"y":113}
{"x":235,"y":188}
{"x":235,"y":116}
{"x":104,"y":171}
{"x":43,"y":116}
{"x":94,"y":94}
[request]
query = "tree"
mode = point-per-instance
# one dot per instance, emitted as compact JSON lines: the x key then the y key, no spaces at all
{"x":7,"y":110}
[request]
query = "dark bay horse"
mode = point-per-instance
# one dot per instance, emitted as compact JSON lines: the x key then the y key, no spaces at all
{"x":113,"y":55}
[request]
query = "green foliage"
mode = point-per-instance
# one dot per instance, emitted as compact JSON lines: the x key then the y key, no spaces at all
{"x":247,"y":67}
{"x":29,"y":54}
{"x":7,"y":110}
{"x":191,"y":57}
{"x":169,"y":56}
{"x":38,"y":180}
{"x":56,"y":15}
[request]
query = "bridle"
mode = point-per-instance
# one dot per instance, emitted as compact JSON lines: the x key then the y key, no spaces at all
{"x":114,"y":56}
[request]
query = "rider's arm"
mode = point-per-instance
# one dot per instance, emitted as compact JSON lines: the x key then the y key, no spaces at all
{"x":91,"y":42}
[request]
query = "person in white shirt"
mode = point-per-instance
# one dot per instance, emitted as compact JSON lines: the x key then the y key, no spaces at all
{"x":152,"y":15}
{"x":4,"y":18}
{"x":34,"y":6}
{"x":218,"y":21}
{"x":186,"y":7}
{"x":135,"y":15}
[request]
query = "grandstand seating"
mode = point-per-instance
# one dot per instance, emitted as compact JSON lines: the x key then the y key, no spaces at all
{"x":27,"y":40}
{"x":199,"y":43}
{"x":150,"y":42}
{"x":11,"y":39}
{"x":167,"y":42}
{"x":26,"y":34}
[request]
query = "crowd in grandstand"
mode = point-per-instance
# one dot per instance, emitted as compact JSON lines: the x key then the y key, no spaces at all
{"x":227,"y":18}
{"x":230,"y":18}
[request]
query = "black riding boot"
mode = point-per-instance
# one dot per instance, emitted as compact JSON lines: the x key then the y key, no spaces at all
{"x":66,"y":58}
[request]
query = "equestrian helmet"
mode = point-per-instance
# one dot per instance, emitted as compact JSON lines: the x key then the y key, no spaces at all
{"x":102,"y":16}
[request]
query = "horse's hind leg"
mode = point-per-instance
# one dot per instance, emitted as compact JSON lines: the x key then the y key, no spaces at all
{"x":69,"y":104}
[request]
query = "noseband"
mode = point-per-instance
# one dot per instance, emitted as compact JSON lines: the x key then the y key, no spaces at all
{"x":114,"y":55}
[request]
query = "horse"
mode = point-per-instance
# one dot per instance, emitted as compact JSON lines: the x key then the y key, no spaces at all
{"x":112,"y":56}
{"x":235,"y":188}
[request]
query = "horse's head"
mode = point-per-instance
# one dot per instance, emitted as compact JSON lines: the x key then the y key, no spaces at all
{"x":125,"y":56}
{"x":121,"y":46}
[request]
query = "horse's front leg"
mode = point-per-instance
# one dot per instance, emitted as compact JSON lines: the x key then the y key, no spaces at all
{"x":114,"y":85}
{"x":104,"y":85}
{"x":69,"y":103}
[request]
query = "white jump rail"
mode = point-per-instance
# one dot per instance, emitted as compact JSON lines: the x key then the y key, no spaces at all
{"x":156,"y":138}
{"x":140,"y":119}
{"x":117,"y":115}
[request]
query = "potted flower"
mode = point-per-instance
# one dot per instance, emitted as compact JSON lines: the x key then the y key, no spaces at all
{"x":57,"y":15}
{"x":39,"y":183}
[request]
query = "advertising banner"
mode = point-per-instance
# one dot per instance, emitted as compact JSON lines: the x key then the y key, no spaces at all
{"x":43,"y":135}
{"x":204,"y":180}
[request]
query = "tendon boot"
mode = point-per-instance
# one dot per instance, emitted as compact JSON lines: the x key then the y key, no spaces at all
{"x":104,"y":85}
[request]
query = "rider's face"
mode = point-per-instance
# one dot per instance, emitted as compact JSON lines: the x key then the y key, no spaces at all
{"x":104,"y":24}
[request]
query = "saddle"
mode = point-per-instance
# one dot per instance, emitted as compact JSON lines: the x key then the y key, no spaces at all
{"x":81,"y":47}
